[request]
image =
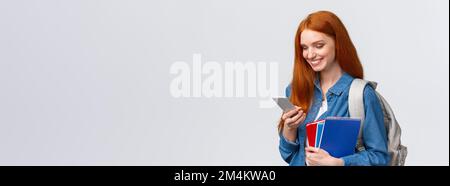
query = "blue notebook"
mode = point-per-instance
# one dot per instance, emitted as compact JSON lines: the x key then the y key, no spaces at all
{"x":339,"y":136}
{"x":319,"y":133}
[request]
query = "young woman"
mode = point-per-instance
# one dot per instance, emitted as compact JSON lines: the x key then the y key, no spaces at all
{"x":326,"y":62}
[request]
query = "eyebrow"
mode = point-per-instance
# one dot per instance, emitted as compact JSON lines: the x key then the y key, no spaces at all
{"x":315,"y":42}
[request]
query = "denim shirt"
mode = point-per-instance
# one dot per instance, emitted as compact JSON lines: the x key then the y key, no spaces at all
{"x":374,"y":132}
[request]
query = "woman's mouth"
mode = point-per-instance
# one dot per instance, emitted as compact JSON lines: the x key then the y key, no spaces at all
{"x":315,"y":62}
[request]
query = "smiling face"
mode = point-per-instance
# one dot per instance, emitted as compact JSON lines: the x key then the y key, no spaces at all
{"x":318,"y":49}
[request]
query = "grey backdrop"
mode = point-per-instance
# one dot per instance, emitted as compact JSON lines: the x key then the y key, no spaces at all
{"x":87,"y":82}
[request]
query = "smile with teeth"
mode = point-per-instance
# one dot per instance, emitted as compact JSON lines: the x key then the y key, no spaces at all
{"x":315,"y":62}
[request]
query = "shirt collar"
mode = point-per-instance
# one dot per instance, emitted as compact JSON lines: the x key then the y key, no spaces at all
{"x":344,"y":81}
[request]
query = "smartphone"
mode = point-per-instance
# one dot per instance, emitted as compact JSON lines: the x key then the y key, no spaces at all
{"x":284,"y":104}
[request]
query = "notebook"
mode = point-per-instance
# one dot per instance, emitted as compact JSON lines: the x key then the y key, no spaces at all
{"x":336,"y":135}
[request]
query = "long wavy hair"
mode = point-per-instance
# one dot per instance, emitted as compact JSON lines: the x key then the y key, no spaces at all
{"x":304,"y":76}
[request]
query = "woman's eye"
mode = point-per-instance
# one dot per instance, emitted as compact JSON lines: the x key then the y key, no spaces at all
{"x":319,"y":46}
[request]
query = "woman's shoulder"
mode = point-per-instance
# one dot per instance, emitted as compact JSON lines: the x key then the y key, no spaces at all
{"x":370,"y":95}
{"x":288,"y":90}
{"x":368,"y":91}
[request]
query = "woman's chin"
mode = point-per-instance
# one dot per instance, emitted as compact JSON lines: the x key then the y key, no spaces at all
{"x":317,"y":68}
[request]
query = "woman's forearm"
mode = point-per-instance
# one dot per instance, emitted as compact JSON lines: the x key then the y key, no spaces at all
{"x":290,"y":134}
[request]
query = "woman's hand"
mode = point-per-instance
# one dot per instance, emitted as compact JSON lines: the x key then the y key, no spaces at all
{"x":293,"y":118}
{"x":320,"y":157}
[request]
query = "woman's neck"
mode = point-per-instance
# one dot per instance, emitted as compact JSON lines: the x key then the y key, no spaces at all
{"x":328,"y":77}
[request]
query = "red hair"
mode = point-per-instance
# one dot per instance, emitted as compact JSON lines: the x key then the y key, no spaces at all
{"x":302,"y":84}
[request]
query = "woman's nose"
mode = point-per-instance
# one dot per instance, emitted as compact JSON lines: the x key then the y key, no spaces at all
{"x":310,"y":54}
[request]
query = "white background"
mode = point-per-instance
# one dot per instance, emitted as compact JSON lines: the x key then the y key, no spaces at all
{"x":87,"y":82}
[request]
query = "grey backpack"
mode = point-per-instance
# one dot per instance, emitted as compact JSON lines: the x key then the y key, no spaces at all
{"x":396,"y":150}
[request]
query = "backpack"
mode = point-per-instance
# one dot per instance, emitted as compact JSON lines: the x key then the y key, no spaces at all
{"x":396,"y":150}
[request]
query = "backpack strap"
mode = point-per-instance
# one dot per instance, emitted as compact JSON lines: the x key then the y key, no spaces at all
{"x":356,"y":105}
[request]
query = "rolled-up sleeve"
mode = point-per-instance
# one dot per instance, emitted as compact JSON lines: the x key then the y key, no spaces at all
{"x":374,"y":134}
